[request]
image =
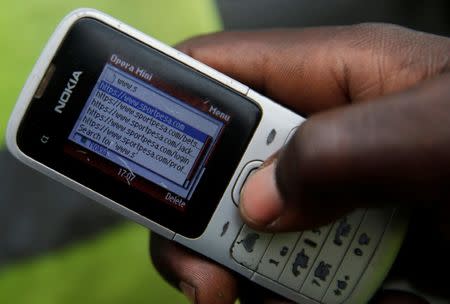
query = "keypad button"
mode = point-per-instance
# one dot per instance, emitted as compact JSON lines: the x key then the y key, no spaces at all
{"x":331,"y":255}
{"x":250,"y":246}
{"x":358,"y":255}
{"x":303,"y":257}
{"x":290,"y":135}
{"x":277,"y":254}
{"x":245,"y":173}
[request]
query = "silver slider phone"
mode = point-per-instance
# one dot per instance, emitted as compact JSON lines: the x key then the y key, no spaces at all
{"x":168,"y":142}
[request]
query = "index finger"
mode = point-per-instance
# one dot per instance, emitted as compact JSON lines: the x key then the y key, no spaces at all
{"x":311,"y":70}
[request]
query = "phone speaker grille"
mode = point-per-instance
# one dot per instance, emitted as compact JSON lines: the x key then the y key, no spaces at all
{"x":45,"y":80}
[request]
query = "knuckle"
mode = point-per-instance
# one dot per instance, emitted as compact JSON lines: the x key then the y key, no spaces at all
{"x":397,"y":57}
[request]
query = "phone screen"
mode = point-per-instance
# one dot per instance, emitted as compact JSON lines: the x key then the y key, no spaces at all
{"x":129,"y":120}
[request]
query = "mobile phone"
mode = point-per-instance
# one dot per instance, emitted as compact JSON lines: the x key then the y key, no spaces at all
{"x":168,"y":142}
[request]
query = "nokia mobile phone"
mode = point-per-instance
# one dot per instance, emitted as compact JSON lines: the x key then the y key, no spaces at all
{"x":168,"y":142}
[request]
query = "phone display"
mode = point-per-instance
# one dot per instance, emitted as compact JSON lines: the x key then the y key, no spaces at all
{"x":147,"y":133}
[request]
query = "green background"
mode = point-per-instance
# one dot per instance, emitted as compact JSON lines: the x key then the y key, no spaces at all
{"x":113,"y":267}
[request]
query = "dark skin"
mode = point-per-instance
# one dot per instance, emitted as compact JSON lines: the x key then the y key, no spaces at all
{"x":377,"y":98}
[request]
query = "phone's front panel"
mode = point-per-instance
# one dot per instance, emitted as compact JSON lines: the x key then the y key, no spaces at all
{"x":138,"y":127}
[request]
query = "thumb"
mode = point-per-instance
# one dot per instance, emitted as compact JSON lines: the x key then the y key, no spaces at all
{"x":393,"y":150}
{"x":263,"y":207}
{"x":277,"y":196}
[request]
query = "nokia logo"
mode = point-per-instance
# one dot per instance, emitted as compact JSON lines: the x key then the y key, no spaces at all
{"x":65,"y":96}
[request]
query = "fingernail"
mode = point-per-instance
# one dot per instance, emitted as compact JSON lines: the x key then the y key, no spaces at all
{"x":260,"y":201}
{"x":189,"y":291}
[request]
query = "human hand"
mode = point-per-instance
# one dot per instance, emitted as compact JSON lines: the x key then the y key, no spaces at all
{"x":377,"y":98}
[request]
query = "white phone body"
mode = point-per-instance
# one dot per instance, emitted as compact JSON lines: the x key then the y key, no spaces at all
{"x":223,"y":241}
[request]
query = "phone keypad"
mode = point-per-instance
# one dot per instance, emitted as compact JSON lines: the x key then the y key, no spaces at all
{"x":277,"y":254}
{"x":358,"y":256}
{"x":250,"y":246}
{"x":303,"y":257}
{"x":324,"y":264}
{"x":331,"y":255}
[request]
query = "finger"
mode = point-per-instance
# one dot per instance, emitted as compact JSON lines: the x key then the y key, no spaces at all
{"x":201,"y":280}
{"x":397,"y":297}
{"x":310,"y":70}
{"x":391,"y":151}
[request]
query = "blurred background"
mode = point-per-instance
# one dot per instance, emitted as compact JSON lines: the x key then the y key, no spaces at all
{"x":58,"y":247}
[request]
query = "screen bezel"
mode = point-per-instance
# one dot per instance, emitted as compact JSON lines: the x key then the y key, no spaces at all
{"x":76,"y":53}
